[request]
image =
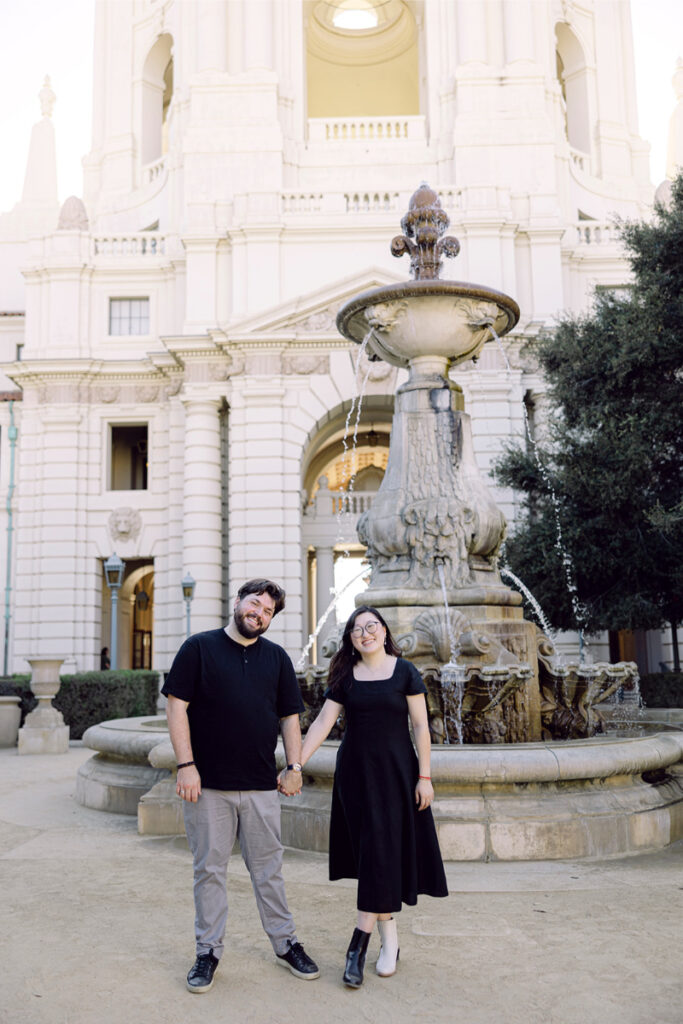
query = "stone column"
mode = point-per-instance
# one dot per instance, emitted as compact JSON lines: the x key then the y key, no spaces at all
{"x":44,"y":731}
{"x":202,"y":510}
{"x":472,"y":40}
{"x":211,"y":36}
{"x":324,"y":583}
{"x":518,"y":31}
{"x":258,"y":34}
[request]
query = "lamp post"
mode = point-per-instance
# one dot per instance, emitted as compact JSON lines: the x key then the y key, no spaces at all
{"x":188,"y":584}
{"x":113,"y":571}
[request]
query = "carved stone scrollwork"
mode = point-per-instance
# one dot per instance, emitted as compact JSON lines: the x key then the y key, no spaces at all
{"x":570,"y":695}
{"x":305,"y":363}
{"x":372,"y":369}
{"x":147,"y":392}
{"x":125,"y":524}
{"x":321,"y":320}
{"x":385,"y":315}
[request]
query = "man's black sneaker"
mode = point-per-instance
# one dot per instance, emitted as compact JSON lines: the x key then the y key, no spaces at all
{"x":200,"y":978}
{"x":298,"y":962}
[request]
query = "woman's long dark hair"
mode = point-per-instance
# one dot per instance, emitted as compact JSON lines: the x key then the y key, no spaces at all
{"x":340,"y":675}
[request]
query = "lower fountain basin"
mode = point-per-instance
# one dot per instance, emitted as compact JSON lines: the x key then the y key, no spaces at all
{"x":596,"y":798}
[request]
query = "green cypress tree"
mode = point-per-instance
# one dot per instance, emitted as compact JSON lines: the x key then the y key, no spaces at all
{"x":612,"y":449}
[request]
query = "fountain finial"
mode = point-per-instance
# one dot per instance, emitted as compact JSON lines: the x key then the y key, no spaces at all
{"x":425,"y":222}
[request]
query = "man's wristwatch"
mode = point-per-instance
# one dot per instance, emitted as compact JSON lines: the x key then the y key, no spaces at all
{"x":296,"y":767}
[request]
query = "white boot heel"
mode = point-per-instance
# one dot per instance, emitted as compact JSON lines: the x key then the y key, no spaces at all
{"x":389,"y":951}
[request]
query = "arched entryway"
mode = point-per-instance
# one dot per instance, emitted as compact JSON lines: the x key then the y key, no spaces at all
{"x":340,"y":478}
{"x":135,"y":615}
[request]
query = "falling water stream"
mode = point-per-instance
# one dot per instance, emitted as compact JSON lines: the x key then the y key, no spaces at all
{"x":344,"y":506}
{"x":452,"y":673}
{"x":543,"y":622}
{"x":565,"y":557}
{"x":337,"y":593}
{"x":348,"y":456}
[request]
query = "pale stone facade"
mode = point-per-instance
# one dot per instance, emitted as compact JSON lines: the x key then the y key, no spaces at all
{"x":183,"y":385}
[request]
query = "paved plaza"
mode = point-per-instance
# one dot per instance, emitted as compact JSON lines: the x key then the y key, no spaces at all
{"x":96,"y":928}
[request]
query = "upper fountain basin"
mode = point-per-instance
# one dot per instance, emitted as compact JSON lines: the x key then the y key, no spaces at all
{"x":450,"y":320}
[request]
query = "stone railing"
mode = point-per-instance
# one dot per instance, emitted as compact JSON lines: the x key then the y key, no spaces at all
{"x":366,"y":129}
{"x":593,"y":232}
{"x":151,"y":172}
{"x":330,"y":504}
{"x":363,"y":201}
{"x":580,"y":160}
{"x":141,"y":243}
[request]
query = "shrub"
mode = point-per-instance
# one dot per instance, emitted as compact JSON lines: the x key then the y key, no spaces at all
{"x":662,"y":689}
{"x":87,"y":698}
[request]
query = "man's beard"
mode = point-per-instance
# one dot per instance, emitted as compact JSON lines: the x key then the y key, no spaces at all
{"x":245,"y":629}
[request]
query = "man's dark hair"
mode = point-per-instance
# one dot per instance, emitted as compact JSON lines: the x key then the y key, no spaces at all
{"x":264,"y":587}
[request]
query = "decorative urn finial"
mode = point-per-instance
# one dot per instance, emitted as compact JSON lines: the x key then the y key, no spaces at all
{"x":425,"y":222}
{"x":47,"y":98}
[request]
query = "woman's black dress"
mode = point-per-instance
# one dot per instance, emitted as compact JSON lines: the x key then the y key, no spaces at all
{"x":377,"y":834}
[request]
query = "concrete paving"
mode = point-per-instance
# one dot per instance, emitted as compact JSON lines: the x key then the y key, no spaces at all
{"x":96,"y":928}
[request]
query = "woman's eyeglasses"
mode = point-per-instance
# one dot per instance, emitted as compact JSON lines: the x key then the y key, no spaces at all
{"x":369,"y":627}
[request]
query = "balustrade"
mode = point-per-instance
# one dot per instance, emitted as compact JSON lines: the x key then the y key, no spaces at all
{"x":366,"y":129}
{"x":151,"y":172}
{"x":142,"y":243}
{"x":595,"y":232}
{"x":330,"y":504}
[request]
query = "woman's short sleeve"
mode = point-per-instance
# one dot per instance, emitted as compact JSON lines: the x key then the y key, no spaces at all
{"x":338,"y":695}
{"x":413,"y":680}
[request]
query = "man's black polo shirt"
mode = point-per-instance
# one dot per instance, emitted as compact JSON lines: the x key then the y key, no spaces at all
{"x":237,"y":696}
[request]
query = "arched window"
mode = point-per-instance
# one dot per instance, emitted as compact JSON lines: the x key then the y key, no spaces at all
{"x":157,"y":92}
{"x":572,"y":74}
{"x":361,"y":59}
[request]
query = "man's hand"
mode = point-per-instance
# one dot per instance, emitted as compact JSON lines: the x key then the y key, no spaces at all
{"x":188,"y":784}
{"x":289,"y":783}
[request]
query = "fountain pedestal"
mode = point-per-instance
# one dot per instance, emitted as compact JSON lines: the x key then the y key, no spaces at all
{"x":433,"y":531}
{"x":44,"y":731}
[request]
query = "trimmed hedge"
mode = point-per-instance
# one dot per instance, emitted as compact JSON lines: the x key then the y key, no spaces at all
{"x":87,"y":698}
{"x":662,"y":689}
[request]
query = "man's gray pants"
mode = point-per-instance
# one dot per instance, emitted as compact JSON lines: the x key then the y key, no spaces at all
{"x":212,"y":824}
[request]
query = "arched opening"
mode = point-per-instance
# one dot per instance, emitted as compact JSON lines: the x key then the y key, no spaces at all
{"x":572,"y":74}
{"x":339,"y":481}
{"x":157,"y":93}
{"x":362,"y":58}
{"x":135,"y":615}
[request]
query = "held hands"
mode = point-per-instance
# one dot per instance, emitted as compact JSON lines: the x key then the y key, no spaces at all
{"x":188,"y":784}
{"x":289,"y":783}
{"x":424,"y":794}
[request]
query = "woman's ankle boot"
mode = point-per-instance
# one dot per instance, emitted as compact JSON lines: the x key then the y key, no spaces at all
{"x":355,"y":958}
{"x":388,"y":954}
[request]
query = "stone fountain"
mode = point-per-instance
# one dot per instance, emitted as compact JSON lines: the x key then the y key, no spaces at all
{"x":519,"y":772}
{"x":433,"y":533}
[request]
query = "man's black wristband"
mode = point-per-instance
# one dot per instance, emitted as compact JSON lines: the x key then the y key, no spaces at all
{"x":185,"y":764}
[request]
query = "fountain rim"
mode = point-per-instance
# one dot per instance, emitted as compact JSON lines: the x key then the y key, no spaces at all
{"x":556,"y":761}
{"x":552,"y":761}
{"x":422,"y":289}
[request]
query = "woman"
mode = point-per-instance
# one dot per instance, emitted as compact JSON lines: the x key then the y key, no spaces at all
{"x":381,"y":828}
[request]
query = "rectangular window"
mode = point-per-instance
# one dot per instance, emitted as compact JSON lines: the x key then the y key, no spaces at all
{"x":128,"y":316}
{"x":129,"y":457}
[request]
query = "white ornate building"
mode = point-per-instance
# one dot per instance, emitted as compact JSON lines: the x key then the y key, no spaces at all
{"x":173,"y":367}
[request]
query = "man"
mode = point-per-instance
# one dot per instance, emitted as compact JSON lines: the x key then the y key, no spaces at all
{"x":228,"y":692}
